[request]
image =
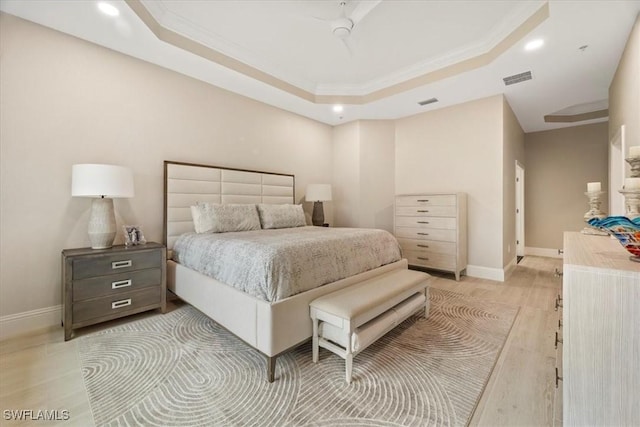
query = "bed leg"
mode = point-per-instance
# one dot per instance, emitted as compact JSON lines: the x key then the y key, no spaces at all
{"x":271,"y":368}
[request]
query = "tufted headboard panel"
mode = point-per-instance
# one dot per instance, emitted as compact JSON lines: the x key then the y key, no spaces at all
{"x":186,"y":183}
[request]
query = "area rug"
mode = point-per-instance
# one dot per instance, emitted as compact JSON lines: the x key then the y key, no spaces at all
{"x":182,"y":368}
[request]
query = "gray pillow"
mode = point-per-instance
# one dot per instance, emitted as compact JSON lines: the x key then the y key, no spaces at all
{"x":281,"y":216}
{"x":217,"y":218}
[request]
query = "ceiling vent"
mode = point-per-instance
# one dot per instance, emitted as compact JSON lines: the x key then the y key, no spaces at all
{"x":517,"y":78}
{"x":428,"y":101}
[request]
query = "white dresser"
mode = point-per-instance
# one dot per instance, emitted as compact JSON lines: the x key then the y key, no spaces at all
{"x":432,"y":230}
{"x":601,"y":333}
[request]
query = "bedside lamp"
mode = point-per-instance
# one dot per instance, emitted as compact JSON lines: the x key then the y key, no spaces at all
{"x":102,"y":182}
{"x":318,"y":193}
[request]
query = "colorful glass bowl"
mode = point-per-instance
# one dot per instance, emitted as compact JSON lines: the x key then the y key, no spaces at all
{"x":627,"y":231}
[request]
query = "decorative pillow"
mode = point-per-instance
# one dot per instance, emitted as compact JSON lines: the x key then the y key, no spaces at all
{"x":216,"y":218}
{"x":281,"y":216}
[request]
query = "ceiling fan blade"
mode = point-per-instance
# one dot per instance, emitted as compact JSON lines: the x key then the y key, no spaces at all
{"x":362,"y":9}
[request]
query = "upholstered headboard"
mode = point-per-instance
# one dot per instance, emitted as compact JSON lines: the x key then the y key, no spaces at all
{"x":186,"y":183}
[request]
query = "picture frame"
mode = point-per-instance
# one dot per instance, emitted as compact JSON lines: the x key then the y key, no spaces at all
{"x":133,"y":235}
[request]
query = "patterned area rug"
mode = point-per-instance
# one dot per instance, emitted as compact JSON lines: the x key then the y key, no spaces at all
{"x":181,"y":368}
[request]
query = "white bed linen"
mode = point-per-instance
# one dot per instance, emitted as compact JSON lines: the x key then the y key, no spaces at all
{"x":275,"y":264}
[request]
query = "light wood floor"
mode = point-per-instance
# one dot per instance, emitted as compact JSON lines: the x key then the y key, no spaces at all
{"x":41,"y":371}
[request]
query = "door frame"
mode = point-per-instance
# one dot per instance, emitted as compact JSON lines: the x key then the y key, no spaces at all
{"x":519,"y":213}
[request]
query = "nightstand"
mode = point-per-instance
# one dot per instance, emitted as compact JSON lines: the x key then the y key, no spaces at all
{"x":105,"y":284}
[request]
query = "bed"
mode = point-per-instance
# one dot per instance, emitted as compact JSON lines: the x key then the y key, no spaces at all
{"x":271,"y":325}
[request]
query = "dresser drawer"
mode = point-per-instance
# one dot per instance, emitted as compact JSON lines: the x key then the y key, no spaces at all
{"x":115,"y":283}
{"x":426,"y":234}
{"x":427,"y":211}
{"x":447,"y":248}
{"x":427,"y":200}
{"x":412,"y":221}
{"x":433,"y":260}
{"x":116,"y":304}
{"x":85,"y":267}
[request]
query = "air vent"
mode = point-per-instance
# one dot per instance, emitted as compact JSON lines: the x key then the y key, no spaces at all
{"x":517,"y":78}
{"x":428,"y":101}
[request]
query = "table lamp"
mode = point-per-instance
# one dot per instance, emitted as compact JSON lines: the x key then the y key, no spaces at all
{"x":102,"y":182}
{"x":318,"y":193}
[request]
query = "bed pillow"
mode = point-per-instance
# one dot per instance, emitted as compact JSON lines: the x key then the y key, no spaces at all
{"x":217,"y":218}
{"x":281,"y":216}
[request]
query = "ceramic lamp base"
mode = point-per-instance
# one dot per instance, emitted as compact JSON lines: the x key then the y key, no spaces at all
{"x":102,"y":224}
{"x":317,"y":218}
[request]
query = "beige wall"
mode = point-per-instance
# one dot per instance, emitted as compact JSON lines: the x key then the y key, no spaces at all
{"x":363,"y":174}
{"x":377,"y":173}
{"x":346,"y":175}
{"x":513,"y":150}
{"x":559,"y":164}
{"x":624,"y":91}
{"x":66,"y":101}
{"x":459,"y":148}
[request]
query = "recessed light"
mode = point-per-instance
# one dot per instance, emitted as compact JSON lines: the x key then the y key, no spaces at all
{"x":338,"y":108}
{"x":108,"y":9}
{"x":534,"y":44}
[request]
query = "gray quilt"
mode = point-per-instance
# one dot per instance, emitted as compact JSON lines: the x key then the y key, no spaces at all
{"x":275,"y":264}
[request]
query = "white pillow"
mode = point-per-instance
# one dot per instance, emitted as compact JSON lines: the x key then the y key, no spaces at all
{"x":281,"y":216}
{"x":217,"y":218}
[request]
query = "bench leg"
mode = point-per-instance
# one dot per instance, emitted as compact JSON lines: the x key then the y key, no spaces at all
{"x":314,"y":345}
{"x":271,"y":368}
{"x":348,"y":360}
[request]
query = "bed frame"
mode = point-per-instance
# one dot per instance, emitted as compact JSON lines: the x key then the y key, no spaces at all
{"x":272,"y":328}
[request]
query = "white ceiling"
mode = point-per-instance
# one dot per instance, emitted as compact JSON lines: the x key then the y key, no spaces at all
{"x":396,"y":41}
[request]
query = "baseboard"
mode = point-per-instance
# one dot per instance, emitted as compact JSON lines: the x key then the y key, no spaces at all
{"x":545,"y":252}
{"x":29,"y":321}
{"x":480,"y":272}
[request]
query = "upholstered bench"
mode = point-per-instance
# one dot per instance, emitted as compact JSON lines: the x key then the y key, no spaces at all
{"x":349,"y":320}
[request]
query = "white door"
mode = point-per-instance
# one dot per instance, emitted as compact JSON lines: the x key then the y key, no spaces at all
{"x":618,"y":169}
{"x":519,"y":209}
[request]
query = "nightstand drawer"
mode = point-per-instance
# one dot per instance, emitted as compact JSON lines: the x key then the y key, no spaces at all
{"x":115,"y":263}
{"x":116,"y":283}
{"x":116,"y":304}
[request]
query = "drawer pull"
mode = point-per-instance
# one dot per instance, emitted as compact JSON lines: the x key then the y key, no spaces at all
{"x":423,"y":200}
{"x":559,"y":323}
{"x":558,"y":377}
{"x":422,"y":234}
{"x":557,"y":273}
{"x":121,"y":284}
{"x":423,"y":211}
{"x":558,"y":340}
{"x":120,"y":264}
{"x":121,"y":303}
{"x":422,"y":246}
{"x":423,"y":222}
{"x":423,"y":259}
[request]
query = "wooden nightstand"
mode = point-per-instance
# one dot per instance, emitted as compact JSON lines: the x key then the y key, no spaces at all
{"x":105,"y":284}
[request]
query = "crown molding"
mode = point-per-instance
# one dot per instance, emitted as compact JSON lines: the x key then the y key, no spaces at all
{"x":171,"y":28}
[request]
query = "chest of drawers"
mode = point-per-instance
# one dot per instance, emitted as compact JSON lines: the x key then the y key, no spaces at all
{"x":432,"y":230}
{"x":105,"y":284}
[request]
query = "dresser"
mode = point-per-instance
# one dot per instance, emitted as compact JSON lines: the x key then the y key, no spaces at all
{"x":105,"y":284}
{"x":601,"y":333}
{"x":432,"y":230}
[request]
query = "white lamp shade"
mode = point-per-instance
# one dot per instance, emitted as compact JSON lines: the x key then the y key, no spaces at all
{"x":318,"y":192}
{"x":92,"y":180}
